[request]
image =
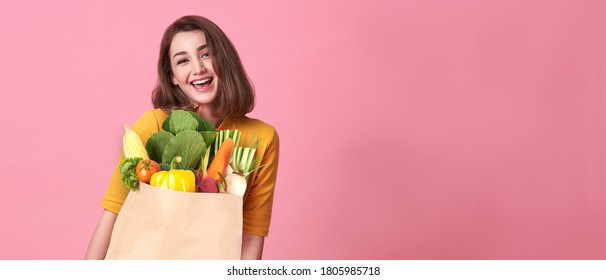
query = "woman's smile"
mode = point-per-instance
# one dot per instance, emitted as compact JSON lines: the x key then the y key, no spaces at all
{"x":202,"y":84}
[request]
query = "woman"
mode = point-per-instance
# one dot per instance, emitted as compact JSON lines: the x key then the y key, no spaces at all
{"x":199,"y":70}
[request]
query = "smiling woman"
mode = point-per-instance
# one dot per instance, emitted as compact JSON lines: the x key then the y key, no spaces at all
{"x":199,"y":70}
{"x":194,"y":42}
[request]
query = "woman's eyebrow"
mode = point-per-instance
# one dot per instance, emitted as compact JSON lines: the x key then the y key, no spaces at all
{"x":184,"y":52}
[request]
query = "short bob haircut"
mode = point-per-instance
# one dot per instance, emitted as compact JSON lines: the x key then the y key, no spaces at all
{"x":235,"y":95}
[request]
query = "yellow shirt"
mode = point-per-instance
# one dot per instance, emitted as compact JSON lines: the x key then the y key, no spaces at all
{"x":258,"y":199}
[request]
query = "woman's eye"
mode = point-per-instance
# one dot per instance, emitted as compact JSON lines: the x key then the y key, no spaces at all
{"x":181,"y":61}
{"x":205,"y":55}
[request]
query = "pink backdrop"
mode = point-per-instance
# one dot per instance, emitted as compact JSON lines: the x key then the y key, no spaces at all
{"x":410,"y":129}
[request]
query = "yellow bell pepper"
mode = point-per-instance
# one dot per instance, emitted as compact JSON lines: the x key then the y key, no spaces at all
{"x":175,"y":179}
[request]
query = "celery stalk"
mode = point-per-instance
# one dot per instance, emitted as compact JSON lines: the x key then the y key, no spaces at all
{"x":205,"y":161}
{"x":221,"y":137}
{"x":237,"y":139}
{"x":242,"y":163}
{"x":216,"y":141}
{"x":238,"y":158}
{"x":250,"y":159}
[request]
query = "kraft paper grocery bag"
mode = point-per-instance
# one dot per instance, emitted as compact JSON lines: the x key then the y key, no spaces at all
{"x":162,"y":224}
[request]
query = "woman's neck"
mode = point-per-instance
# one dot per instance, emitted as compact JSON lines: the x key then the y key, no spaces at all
{"x":207,"y":114}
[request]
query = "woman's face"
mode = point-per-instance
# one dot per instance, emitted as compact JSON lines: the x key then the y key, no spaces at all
{"x":192,"y":67}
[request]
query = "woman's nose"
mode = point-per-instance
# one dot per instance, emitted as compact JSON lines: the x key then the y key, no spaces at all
{"x":199,"y":67}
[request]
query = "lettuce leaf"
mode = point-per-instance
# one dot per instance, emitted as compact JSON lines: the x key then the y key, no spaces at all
{"x":180,"y":120}
{"x":156,"y":144}
{"x":209,"y":137}
{"x":188,"y":144}
{"x":129,"y":173}
{"x":203,"y":125}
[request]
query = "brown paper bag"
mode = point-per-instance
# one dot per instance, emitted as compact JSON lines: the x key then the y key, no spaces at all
{"x":157,"y":223}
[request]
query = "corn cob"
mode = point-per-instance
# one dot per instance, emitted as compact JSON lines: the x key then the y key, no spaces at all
{"x":132,"y":144}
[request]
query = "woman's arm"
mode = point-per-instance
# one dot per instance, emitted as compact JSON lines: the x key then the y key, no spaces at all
{"x":97,"y":248}
{"x":252,"y":246}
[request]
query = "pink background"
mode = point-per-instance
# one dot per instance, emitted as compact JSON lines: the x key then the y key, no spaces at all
{"x":409,"y":129}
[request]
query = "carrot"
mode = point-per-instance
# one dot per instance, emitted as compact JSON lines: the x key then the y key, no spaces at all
{"x":221,"y":159}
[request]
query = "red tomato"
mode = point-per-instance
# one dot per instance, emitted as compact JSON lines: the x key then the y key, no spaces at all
{"x":145,"y":169}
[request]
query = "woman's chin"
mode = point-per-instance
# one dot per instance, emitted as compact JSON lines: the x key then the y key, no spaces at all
{"x":202,"y":99}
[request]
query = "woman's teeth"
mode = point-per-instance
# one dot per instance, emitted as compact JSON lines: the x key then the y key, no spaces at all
{"x":201,"y":82}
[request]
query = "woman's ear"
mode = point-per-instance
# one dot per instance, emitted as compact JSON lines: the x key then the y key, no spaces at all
{"x":174,"y":81}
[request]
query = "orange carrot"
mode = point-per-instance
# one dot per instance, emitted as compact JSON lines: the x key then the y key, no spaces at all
{"x":221,"y":159}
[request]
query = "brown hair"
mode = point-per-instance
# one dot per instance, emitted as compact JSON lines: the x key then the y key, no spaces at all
{"x":235,"y":95}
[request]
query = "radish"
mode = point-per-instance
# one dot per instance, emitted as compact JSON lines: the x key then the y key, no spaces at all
{"x":236,"y":184}
{"x":208,"y":185}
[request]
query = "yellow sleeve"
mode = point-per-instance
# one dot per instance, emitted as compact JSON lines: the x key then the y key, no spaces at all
{"x":259,"y":200}
{"x":116,"y":192}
